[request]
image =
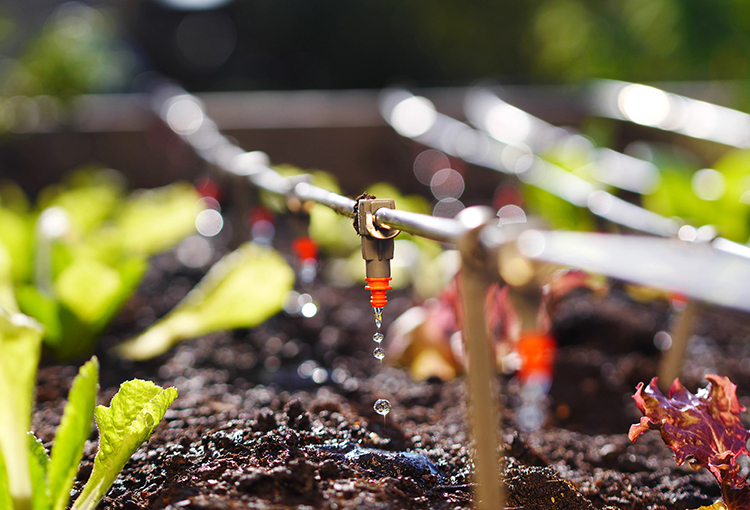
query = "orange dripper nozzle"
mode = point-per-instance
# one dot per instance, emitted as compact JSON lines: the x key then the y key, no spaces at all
{"x":537,"y":352}
{"x":378,"y":288}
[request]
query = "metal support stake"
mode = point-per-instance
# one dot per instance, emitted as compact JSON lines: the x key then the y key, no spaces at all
{"x":681,"y":330}
{"x":481,"y":380}
{"x":670,"y":367}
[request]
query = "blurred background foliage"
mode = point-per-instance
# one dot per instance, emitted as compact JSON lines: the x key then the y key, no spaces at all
{"x":62,"y":49}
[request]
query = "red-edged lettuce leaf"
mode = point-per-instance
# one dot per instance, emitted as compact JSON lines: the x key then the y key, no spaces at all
{"x":702,"y":429}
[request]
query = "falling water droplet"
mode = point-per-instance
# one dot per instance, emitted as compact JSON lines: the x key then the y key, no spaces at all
{"x":378,"y":316}
{"x":378,"y":337}
{"x":382,"y":407}
{"x":379,"y":353}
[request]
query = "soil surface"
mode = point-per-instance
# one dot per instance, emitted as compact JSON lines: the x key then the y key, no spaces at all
{"x":281,"y":416}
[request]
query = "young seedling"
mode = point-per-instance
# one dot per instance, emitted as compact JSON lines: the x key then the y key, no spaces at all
{"x":30,"y":479}
{"x":703,"y":429}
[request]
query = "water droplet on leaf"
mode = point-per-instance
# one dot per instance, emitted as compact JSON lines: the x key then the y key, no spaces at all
{"x":382,"y":406}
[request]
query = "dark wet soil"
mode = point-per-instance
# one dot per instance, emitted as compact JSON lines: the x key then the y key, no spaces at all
{"x":253,"y":429}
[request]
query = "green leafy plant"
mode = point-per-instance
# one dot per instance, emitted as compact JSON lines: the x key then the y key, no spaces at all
{"x":243,"y":289}
{"x":29,"y":478}
{"x":75,"y":259}
{"x":721,"y":200}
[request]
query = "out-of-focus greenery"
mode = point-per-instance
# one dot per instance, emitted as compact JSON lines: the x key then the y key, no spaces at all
{"x":729,"y":213}
{"x":343,"y":44}
{"x":76,"y":52}
{"x":74,"y":274}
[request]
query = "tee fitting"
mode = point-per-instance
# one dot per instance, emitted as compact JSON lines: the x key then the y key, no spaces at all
{"x":377,"y":247}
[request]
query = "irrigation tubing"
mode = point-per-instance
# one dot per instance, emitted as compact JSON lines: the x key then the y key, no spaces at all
{"x":637,"y":261}
{"x":457,"y":139}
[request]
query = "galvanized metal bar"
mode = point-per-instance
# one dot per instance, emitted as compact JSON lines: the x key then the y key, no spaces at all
{"x":340,"y":204}
{"x":438,"y":229}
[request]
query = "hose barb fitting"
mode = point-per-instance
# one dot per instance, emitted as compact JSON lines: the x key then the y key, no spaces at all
{"x":377,"y":246}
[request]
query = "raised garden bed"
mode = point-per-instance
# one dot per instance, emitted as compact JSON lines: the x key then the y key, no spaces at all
{"x":251,"y":429}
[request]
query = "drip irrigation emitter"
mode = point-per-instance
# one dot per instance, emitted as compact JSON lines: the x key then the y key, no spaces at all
{"x":534,"y":345}
{"x":377,"y":248}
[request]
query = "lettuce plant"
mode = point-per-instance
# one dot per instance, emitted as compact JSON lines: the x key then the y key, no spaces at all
{"x":241,"y":290}
{"x":703,"y":429}
{"x":30,"y":479}
{"x":75,"y":259}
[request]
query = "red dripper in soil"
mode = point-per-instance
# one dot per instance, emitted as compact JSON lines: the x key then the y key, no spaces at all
{"x":378,"y":288}
{"x":305,"y":248}
{"x":307,"y":254}
{"x":537,"y":353}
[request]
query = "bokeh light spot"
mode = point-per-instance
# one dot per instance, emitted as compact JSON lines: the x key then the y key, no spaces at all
{"x":708,"y":184}
{"x":507,"y":123}
{"x":209,"y":222}
{"x":195,"y":251}
{"x":447,"y":183}
{"x":184,"y":116}
{"x":448,"y":208}
{"x":413,"y":116}
{"x":644,"y":105}
{"x":427,"y":163}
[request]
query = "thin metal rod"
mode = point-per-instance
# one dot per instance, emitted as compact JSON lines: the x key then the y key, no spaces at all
{"x":696,"y":270}
{"x":670,"y":367}
{"x":697,"y":119}
{"x":342,"y":205}
{"x":480,"y":378}
{"x":438,"y":229}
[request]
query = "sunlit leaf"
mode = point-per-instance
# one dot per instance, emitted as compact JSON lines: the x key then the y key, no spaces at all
{"x":89,"y":197}
{"x":20,"y":344}
{"x":154,"y":220}
{"x":243,"y":289}
{"x":703,"y":429}
{"x":39,"y":463}
{"x":7,"y":299}
{"x":16,"y":237}
{"x":5,"y":499}
{"x":131,"y":418}
{"x":71,"y":435}
{"x":87,"y":287}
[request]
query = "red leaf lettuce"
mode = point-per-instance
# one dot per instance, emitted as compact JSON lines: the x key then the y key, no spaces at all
{"x":702,"y":429}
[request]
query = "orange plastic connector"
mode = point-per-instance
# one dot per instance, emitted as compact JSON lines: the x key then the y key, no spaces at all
{"x":305,"y":248}
{"x":537,"y":353}
{"x":378,"y":288}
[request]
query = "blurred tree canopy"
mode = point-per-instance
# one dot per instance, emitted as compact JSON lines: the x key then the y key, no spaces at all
{"x":342,"y":44}
{"x":297,"y":44}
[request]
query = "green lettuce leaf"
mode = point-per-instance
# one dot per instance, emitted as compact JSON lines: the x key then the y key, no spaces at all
{"x":16,"y":237}
{"x":7,"y":299}
{"x":71,"y":435}
{"x":133,"y":415}
{"x":89,"y":196}
{"x":243,"y":289}
{"x":5,"y":500}
{"x":39,"y":464}
{"x":20,"y":345}
{"x":155,"y":220}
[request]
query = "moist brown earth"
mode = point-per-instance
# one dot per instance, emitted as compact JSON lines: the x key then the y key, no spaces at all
{"x":248,"y":431}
